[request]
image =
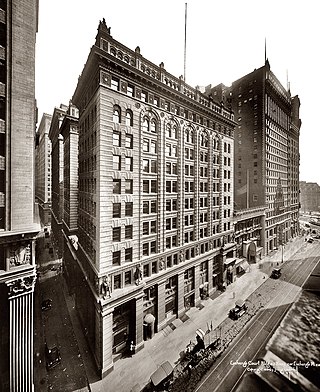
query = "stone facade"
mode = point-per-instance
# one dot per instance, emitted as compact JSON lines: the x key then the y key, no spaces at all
{"x":266,"y":151}
{"x":19,"y":218}
{"x":43,"y":169}
{"x":155,"y":198}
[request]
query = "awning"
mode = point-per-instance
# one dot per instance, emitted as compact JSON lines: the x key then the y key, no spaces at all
{"x":161,"y":373}
{"x":200,"y":333}
{"x":245,"y":265}
{"x":229,"y":260}
{"x":239,"y":261}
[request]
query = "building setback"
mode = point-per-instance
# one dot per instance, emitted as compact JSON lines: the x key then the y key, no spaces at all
{"x":266,"y":152}
{"x":155,"y":232}
{"x":43,"y":169}
{"x":19,"y":218}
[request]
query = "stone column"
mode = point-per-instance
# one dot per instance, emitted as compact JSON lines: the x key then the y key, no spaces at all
{"x":161,"y":304}
{"x":181,"y":308}
{"x":196,"y":285}
{"x":104,"y":340}
{"x":21,"y":333}
{"x":210,"y":271}
{"x":139,"y":323}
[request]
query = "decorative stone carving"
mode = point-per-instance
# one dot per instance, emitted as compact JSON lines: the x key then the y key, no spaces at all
{"x":20,"y":255}
{"x":21,"y":285}
{"x":138,"y":274}
{"x":161,"y":264}
{"x":105,"y":287}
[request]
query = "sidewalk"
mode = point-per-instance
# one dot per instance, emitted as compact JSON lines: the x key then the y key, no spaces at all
{"x":134,"y":373}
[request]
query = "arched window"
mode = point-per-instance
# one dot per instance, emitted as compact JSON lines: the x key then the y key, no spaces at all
{"x":203,"y":140}
{"x":145,"y":125}
{"x":116,"y":118}
{"x":186,"y":135}
{"x":191,"y":137}
{"x":174,"y":132}
{"x":129,"y":118}
{"x":168,"y":130}
{"x":153,"y":126}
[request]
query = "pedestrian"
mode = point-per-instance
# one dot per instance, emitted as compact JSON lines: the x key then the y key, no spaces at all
{"x":132,"y":348}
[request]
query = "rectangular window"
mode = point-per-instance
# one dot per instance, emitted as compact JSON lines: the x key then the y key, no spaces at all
{"x":153,"y":247}
{"x":129,"y":141}
{"x":117,"y":282}
{"x":114,"y":84}
{"x":145,"y":165}
{"x":116,"y":234}
{"x":174,"y":223}
{"x":116,"y":210}
{"x":129,"y":186}
{"x":153,"y":207}
{"x":153,"y":227}
{"x":168,"y":168}
{"x":127,"y":278}
{"x":153,"y":147}
{"x":146,"y":207}
{"x":129,"y":163}
{"x":116,"y":257}
{"x":130,"y":89}
{"x":143,"y":96}
{"x":145,"y":227}
{"x":117,"y":186}
{"x":116,"y":139}
{"x":174,"y":241}
{"x":168,"y":243}
{"x":145,"y":249}
{"x":145,"y":186}
{"x":174,"y":186}
{"x":128,"y":255}
{"x":146,"y":145}
{"x":128,"y":232}
{"x":153,"y":166}
{"x":116,"y":162}
{"x":174,"y":168}
{"x":129,"y":208}
{"x":153,"y":186}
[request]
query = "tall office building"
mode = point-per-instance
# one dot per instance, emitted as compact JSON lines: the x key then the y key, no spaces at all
{"x":57,"y":169}
{"x":43,"y":169}
{"x":19,"y":220}
{"x":155,"y":198}
{"x":266,"y":153}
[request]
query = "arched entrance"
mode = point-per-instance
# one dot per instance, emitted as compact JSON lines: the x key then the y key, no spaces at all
{"x":148,"y":326}
{"x":252,"y":253}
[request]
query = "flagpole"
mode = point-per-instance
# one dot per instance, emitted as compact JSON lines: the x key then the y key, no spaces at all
{"x":247,"y":188}
{"x":185,"y":42}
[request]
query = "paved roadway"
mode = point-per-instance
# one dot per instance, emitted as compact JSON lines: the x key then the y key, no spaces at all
{"x":227,"y":372}
{"x":55,"y":327}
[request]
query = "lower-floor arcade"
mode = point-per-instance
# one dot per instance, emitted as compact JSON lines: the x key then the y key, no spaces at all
{"x":116,"y":321}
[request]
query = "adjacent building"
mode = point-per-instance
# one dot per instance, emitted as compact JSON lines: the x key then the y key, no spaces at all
{"x":43,"y":169}
{"x":155,"y":201}
{"x":19,"y":218}
{"x":57,"y":170}
{"x":309,"y":196}
{"x":266,"y":151}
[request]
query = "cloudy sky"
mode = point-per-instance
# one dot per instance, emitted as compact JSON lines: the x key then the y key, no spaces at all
{"x":225,"y":41}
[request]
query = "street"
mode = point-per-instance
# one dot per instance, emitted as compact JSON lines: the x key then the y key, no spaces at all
{"x":54,"y":327}
{"x":275,"y":298}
